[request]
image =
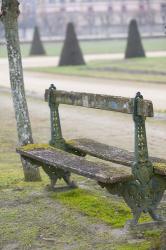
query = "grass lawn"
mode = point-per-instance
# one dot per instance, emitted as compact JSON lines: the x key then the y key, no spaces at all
{"x":95,"y":47}
{"x":33,"y":218}
{"x":139,"y":69}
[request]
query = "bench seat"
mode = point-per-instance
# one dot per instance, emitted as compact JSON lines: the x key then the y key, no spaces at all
{"x":113,"y":154}
{"x":57,"y":158}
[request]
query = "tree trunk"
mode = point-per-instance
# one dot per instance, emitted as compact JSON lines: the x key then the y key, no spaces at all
{"x":8,"y":16}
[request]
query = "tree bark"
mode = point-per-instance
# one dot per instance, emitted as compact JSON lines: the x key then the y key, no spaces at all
{"x":9,"y":15}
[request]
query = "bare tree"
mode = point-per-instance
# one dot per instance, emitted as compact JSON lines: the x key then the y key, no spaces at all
{"x":8,"y":16}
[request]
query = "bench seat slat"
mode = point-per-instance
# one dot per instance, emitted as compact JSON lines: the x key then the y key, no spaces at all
{"x":113,"y":154}
{"x":78,"y":165}
{"x":104,"y":102}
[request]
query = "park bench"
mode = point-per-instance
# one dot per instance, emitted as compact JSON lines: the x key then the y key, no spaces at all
{"x":138,"y":178}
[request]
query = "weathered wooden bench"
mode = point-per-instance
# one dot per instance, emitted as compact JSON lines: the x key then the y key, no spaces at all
{"x":139,"y":179}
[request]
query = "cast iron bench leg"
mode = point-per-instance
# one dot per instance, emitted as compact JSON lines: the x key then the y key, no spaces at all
{"x":155,"y":216}
{"x":70,"y":183}
{"x":55,"y":174}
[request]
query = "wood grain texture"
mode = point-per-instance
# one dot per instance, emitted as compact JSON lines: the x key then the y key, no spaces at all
{"x":56,"y":158}
{"x":104,"y":102}
{"x":113,"y":154}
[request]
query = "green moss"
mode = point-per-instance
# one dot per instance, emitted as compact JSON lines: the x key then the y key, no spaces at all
{"x":161,"y":166}
{"x":138,"y":246}
{"x":152,"y":233}
{"x":35,"y":146}
{"x":156,"y":237}
{"x":70,"y":142}
{"x":107,"y":210}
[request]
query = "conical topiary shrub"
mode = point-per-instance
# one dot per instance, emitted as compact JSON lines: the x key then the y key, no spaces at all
{"x":37,"y":46}
{"x":71,"y":53}
{"x":134,"y":45}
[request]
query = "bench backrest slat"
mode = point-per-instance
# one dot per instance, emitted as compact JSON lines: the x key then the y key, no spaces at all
{"x":104,"y":102}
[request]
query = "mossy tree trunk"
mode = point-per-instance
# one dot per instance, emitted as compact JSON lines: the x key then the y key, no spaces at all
{"x":8,"y":16}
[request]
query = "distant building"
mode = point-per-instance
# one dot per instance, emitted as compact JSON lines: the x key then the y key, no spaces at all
{"x":93,"y":18}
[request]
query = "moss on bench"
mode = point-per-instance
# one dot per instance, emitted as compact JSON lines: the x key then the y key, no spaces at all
{"x":30,"y":147}
{"x":56,"y":158}
{"x":160,"y":168}
{"x":113,"y":154}
{"x":138,"y":186}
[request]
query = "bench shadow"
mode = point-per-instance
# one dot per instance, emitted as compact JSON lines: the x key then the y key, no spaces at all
{"x":59,"y":189}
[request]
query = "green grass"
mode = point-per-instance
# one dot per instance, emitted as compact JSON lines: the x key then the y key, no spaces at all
{"x":8,"y":227}
{"x":156,"y":237}
{"x":93,"y":205}
{"x":152,"y":233}
{"x":105,"y":69}
{"x":149,"y":64}
{"x":95,"y":47}
{"x":139,"y":246}
{"x":29,"y":215}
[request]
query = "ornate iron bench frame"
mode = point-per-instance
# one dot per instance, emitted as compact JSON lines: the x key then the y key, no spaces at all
{"x":144,"y":191}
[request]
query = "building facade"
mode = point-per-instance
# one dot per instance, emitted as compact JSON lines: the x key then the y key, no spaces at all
{"x":93,"y":18}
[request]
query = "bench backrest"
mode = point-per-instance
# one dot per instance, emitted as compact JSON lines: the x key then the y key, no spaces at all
{"x":104,"y":102}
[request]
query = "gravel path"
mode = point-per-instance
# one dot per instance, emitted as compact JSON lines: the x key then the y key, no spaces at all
{"x":38,"y":82}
